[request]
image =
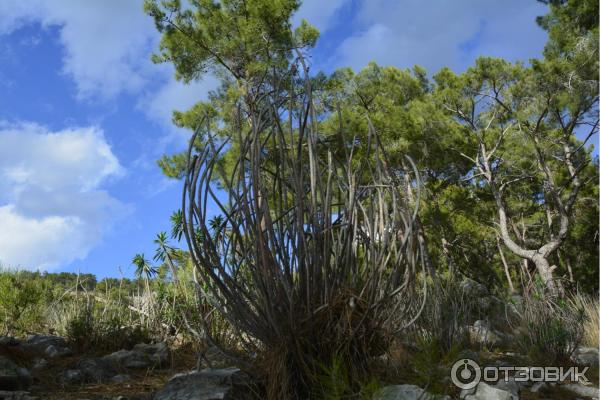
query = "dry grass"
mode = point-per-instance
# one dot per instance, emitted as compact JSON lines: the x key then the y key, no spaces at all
{"x":591,"y":325}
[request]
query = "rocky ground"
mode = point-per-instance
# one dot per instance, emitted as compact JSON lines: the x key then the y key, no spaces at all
{"x":42,"y":367}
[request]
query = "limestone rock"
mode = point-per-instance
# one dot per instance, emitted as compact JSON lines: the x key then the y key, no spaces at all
{"x":405,"y":392}
{"x":582,"y":390}
{"x":140,"y":357}
{"x":483,"y":391}
{"x":208,"y":384}
{"x":586,"y":356}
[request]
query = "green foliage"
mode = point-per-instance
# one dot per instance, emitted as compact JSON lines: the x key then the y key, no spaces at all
{"x":433,"y":362}
{"x":22,"y":302}
{"x":244,"y":38}
{"x":334,"y":382}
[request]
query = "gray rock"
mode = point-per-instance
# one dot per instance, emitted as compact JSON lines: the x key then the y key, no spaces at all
{"x":208,"y":384}
{"x":9,"y":341}
{"x":40,"y":364}
{"x":158,"y":353}
{"x":41,"y":342}
{"x":211,"y":358}
{"x":73,"y":377}
{"x":481,"y":333}
{"x":586,"y":356}
{"x":509,"y":386}
{"x":128,"y":359}
{"x":536,"y":387}
{"x":483,"y":391}
{"x":492,"y":305}
{"x":16,"y":395}
{"x":405,"y":392}
{"x":121,"y":378}
{"x":47,"y":346}
{"x":473,"y":288}
{"x":140,"y":357}
{"x":582,"y":390}
{"x":96,"y":369}
{"x":53,"y":351}
{"x":13,"y":377}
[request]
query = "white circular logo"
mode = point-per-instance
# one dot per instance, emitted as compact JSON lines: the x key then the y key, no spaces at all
{"x":465,"y":373}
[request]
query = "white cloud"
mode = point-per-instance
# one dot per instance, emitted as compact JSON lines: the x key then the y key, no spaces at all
{"x":318,"y":12}
{"x":158,"y":105}
{"x":452,"y":33}
{"x":52,"y":210}
{"x":107,"y":43}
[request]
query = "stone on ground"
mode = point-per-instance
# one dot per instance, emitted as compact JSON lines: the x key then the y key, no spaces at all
{"x":483,"y":391}
{"x":405,"y":392}
{"x":208,"y":384}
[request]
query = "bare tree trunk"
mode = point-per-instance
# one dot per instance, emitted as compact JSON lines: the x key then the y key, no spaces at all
{"x":546,"y":272}
{"x":506,"y":271}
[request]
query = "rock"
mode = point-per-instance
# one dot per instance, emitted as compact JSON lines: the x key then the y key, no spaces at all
{"x":73,"y":377}
{"x":483,"y":391}
{"x":141,"y":356}
{"x":582,"y":390}
{"x":40,"y":364}
{"x":158,"y":353}
{"x":586,"y":356}
{"x":53,"y":351}
{"x":492,"y":305}
{"x":9,"y":341}
{"x":510,"y":386}
{"x":211,"y":358}
{"x":481,"y":333}
{"x":536,"y":387}
{"x":41,"y":342}
{"x":18,"y":395}
{"x":208,"y":384}
{"x":96,"y":370}
{"x":121,"y":378}
{"x":128,"y":359}
{"x":12,"y":377}
{"x":47,"y":345}
{"x":473,"y":288}
{"x":405,"y":392}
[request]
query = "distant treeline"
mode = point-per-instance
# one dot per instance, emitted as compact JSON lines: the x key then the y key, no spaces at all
{"x":63,"y":281}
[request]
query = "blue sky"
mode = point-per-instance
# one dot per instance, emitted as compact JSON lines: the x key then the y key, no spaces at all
{"x":84,"y":114}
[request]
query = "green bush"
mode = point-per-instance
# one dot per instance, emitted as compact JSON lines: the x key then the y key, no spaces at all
{"x":22,"y":303}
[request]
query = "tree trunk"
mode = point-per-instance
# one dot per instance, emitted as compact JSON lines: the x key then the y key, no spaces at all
{"x":506,"y":271}
{"x":546,"y":272}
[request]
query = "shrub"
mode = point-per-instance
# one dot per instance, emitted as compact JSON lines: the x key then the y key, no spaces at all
{"x":334,"y":382}
{"x":591,"y":318}
{"x":90,"y":325}
{"x":440,"y":332}
{"x":447,"y":312}
{"x":551,"y":328}
{"x":316,"y":272}
{"x":22,"y":303}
